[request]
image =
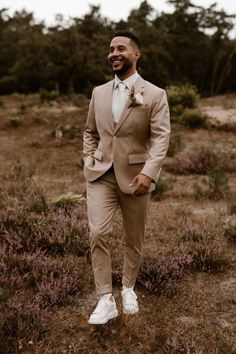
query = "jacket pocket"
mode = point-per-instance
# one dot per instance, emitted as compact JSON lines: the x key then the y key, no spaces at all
{"x":137,"y":158}
{"x":98,"y":155}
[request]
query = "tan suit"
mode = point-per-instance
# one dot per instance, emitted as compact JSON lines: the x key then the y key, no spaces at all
{"x":137,"y":144}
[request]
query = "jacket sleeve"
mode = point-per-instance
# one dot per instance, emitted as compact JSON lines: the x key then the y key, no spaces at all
{"x":90,"y":136}
{"x":159,"y":138}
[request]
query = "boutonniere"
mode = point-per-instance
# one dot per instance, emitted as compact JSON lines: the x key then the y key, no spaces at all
{"x":135,"y":97}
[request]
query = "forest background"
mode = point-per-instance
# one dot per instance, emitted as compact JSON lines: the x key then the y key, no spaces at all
{"x":192,"y":45}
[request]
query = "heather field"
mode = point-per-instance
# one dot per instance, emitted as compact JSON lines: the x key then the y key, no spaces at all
{"x":186,"y":285}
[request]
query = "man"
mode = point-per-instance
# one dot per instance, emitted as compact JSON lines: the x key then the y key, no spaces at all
{"x":126,"y":138}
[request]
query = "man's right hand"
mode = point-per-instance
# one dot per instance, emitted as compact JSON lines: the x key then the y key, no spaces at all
{"x":141,"y":183}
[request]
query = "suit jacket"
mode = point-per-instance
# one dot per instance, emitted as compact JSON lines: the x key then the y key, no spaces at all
{"x":137,"y":144}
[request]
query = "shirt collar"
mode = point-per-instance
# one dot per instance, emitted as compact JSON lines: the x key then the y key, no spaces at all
{"x":129,"y":82}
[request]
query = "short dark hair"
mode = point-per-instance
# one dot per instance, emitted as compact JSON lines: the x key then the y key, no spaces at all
{"x":130,"y":35}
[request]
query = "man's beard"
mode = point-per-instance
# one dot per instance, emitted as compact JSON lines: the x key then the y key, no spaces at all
{"x":126,"y":66}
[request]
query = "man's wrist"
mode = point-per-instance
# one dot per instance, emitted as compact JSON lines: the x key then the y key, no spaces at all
{"x":150,"y":179}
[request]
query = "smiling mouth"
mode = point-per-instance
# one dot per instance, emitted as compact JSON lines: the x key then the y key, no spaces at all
{"x":116,"y":62}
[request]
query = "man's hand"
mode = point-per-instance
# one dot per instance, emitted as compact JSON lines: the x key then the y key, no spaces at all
{"x":141,"y":184}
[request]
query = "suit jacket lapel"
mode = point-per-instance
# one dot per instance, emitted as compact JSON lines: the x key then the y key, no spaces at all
{"x":138,"y":86}
{"x":107,"y":101}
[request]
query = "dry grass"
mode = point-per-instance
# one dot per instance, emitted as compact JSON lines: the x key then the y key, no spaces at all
{"x":186,"y":285}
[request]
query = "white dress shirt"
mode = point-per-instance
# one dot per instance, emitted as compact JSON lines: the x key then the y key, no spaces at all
{"x":120,"y":94}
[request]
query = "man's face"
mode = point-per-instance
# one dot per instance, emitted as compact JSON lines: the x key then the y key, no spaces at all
{"x":123,"y":56}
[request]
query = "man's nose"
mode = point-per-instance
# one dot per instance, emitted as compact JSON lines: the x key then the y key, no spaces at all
{"x":115,"y":52}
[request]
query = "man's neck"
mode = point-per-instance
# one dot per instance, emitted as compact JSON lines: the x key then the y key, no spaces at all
{"x":126,"y":75}
{"x":124,"y":78}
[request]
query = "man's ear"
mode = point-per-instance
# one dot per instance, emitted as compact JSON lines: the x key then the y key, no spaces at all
{"x":138,"y":54}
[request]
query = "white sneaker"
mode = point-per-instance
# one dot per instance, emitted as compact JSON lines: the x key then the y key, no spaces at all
{"x":129,"y":299}
{"x":105,"y":310}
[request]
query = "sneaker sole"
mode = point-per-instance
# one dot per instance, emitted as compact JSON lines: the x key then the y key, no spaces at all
{"x":112,"y":315}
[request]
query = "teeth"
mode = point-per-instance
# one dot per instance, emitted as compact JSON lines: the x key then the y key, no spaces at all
{"x":116,"y":60}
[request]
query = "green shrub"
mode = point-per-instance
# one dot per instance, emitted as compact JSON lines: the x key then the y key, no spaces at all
{"x":199,"y":161}
{"x":48,"y":95}
{"x":7,"y":83}
{"x":80,"y":100}
{"x":175,"y":144}
{"x":23,"y":107}
{"x":226,"y":127}
{"x":217,"y":183}
{"x":204,"y":159}
{"x":176,"y":111}
{"x":215,"y":186}
{"x":162,"y":186}
{"x":193,"y":118}
{"x":15,"y":121}
{"x":67,"y":199}
{"x":180,"y":98}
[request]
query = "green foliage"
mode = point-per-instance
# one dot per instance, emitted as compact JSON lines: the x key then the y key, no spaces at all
{"x":68,"y":199}
{"x":7,"y":84}
{"x":176,"y":111}
{"x":200,"y":161}
{"x":215,"y":186}
{"x":80,"y":100}
{"x":180,"y":98}
{"x":48,"y":95}
{"x":204,"y":160}
{"x":23,"y":107}
{"x":162,"y":186}
{"x":175,"y":144}
{"x":193,"y":118}
{"x":15,"y":122}
{"x":217,"y":183}
{"x":184,"y":95}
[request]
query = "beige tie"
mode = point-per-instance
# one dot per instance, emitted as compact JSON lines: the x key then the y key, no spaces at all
{"x":119,"y":101}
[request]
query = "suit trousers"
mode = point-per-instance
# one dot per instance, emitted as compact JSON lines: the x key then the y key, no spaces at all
{"x":103,"y":199}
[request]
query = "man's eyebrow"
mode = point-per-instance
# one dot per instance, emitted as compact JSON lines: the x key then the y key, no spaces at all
{"x":119,"y":46}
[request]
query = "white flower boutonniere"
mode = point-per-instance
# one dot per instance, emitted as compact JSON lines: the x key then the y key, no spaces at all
{"x":136,"y":97}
